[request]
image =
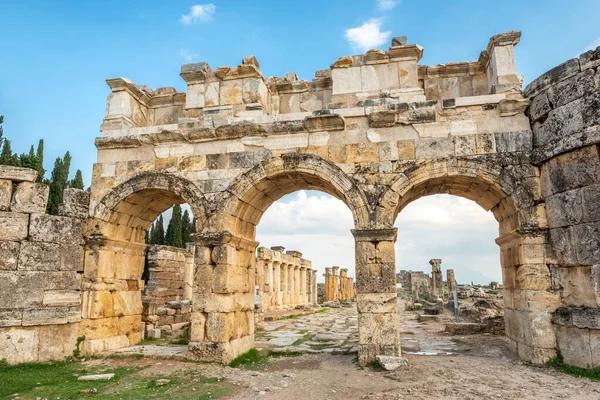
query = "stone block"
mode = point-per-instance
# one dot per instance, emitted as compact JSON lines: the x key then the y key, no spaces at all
{"x":14,"y":226}
{"x":377,"y":302}
{"x":11,"y":318}
{"x":574,"y":345}
{"x":561,"y":72}
{"x":97,"y":346}
{"x":540,"y":107}
{"x":508,"y":142}
{"x":9,"y":255}
{"x":587,"y":243}
{"x":435,"y":148}
{"x":220,"y":352}
{"x":30,"y":198}
{"x":6,"y":188}
{"x":51,"y":316}
{"x":570,"y":171}
{"x":346,"y":80}
{"x":40,"y":256}
{"x":392,"y":363}
{"x":54,"y":229}
{"x":17,"y":174}
{"x":56,"y":342}
{"x":19,"y":345}
{"x":75,"y":203}
{"x":572,"y":88}
{"x":378,"y":328}
{"x":231,"y":92}
{"x":62,"y":298}
{"x":127,"y":303}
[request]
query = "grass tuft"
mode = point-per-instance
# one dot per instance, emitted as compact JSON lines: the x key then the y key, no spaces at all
{"x":558,"y":363}
{"x":252,"y":356}
{"x":459,"y":341}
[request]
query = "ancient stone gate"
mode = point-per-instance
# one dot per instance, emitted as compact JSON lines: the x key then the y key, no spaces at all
{"x":376,"y":131}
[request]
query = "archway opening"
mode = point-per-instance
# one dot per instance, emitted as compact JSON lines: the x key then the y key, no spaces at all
{"x":511,"y":196}
{"x":115,"y":255}
{"x":449,"y":273}
{"x":314,"y":227}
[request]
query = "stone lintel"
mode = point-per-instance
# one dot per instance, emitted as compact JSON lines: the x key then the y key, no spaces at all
{"x":324,"y":122}
{"x":510,"y":38}
{"x":294,"y":253}
{"x":278,"y":248}
{"x":375,"y":235}
{"x":407,"y":52}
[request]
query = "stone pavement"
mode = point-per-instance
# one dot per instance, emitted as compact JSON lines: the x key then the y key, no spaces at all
{"x":334,"y":330}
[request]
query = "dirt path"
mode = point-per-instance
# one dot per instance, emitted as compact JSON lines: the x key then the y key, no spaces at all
{"x":479,"y":366}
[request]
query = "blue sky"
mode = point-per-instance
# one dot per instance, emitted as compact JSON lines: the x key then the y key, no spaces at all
{"x":57,"y":54}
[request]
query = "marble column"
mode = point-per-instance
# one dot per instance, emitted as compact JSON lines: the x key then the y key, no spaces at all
{"x":314,"y":285}
{"x":336,"y":283}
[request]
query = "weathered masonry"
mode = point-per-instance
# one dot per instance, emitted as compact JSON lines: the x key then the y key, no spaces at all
{"x":338,"y":286}
{"x":375,"y":130}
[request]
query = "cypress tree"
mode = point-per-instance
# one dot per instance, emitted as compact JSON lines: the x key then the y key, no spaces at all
{"x":173,"y":237}
{"x":158,"y":232}
{"x":39,"y":158}
{"x":58,"y":182}
{"x":77,"y":182}
{"x":148,"y":235}
{"x":7,"y":157}
{"x":193,"y":230}
{"x":186,"y":227}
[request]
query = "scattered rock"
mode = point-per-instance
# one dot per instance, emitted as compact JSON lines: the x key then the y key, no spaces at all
{"x":98,"y":377}
{"x":392,"y":363}
{"x":162,"y":382}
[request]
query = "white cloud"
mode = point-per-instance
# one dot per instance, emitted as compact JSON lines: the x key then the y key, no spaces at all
{"x":442,"y":226}
{"x":386,"y":5}
{"x":199,"y":12}
{"x":593,"y":45}
{"x":188,"y":55}
{"x":368,"y":35}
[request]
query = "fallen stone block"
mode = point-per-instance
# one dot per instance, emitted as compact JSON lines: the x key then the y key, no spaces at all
{"x":99,"y":377}
{"x":392,"y":363}
{"x":426,"y":317}
{"x":464,"y":328}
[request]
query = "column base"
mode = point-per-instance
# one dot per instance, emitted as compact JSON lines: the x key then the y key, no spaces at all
{"x":220,"y":352}
{"x":368,"y":352}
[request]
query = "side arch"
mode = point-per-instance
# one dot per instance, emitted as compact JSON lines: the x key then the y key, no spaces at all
{"x":133,"y":205}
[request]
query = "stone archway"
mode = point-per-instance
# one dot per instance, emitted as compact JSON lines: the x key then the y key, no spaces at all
{"x":222,"y":326}
{"x":512,"y":194}
{"x":115,"y":251}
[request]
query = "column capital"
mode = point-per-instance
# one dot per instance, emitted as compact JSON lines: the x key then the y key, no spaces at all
{"x":375,"y":235}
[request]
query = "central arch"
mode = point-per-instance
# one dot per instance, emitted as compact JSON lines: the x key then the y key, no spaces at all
{"x":512,"y":194}
{"x":223,"y":297}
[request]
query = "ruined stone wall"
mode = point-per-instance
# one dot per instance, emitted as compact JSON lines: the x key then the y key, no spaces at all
{"x":565,"y":116}
{"x":167,"y":304}
{"x":41,"y":263}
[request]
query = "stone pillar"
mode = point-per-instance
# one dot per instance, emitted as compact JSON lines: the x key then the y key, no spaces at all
{"x":277,"y":283}
{"x":314,"y":287}
{"x":297,"y":279}
{"x":188,"y":273}
{"x":501,"y":68}
{"x":291,"y":285}
{"x":344,"y":284}
{"x":328,"y":284}
{"x":302,"y":299}
{"x":378,"y":323}
{"x":436,"y":276}
{"x":285,"y":296}
{"x":450,"y":279}
{"x":222,"y":325}
{"x":336,"y":283}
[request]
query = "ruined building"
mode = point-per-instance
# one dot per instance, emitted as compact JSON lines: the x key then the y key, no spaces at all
{"x":376,"y":130}
{"x":338,"y":285}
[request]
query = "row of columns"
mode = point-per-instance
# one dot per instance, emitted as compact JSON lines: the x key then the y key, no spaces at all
{"x":338,"y":287}
{"x":284,"y":280}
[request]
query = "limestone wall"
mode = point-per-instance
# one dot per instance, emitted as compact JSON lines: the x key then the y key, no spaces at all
{"x":167,"y":294}
{"x":565,"y":116}
{"x":41,"y":263}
